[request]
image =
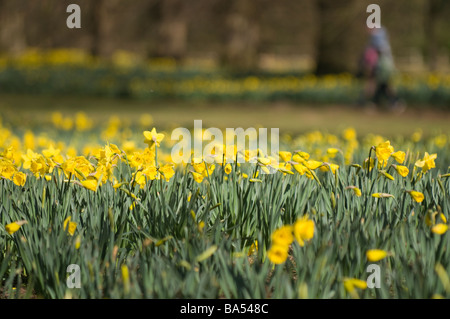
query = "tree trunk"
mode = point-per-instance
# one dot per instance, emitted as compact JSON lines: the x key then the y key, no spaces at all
{"x":172,"y":29}
{"x":12,"y":26}
{"x":341,"y":26}
{"x":242,"y":35}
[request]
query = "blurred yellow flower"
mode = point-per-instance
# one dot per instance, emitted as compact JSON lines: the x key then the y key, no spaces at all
{"x":439,"y":229}
{"x":417,"y":196}
{"x":384,"y":151}
{"x":351,"y":283}
{"x":376,"y":255}
{"x":72,"y":225}
{"x":19,"y":179}
{"x":286,"y":156}
{"x":283,"y":236}
{"x":227,"y":169}
{"x":15,"y":226}
{"x":303,"y":230}
{"x":278,"y":254}
{"x":402,"y":170}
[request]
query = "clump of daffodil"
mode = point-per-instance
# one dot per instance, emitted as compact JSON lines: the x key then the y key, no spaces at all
{"x":302,"y":231}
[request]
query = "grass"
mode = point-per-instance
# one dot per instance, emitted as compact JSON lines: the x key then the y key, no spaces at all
{"x":289,"y":117}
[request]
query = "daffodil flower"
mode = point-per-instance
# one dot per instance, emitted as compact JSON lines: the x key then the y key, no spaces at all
{"x":375,"y":255}
{"x":439,"y":229}
{"x":15,"y":226}
{"x":278,"y":254}
{"x":153,"y":137}
{"x":72,"y":225}
{"x":417,"y":196}
{"x":283,"y":236}
{"x":303,"y":230}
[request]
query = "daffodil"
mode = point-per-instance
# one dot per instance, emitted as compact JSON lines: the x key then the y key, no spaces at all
{"x":427,"y":162}
{"x":152,"y":137}
{"x":227,"y":169}
{"x":19,"y":179}
{"x":399,"y":156}
{"x":355,"y":190}
{"x":91,"y":184}
{"x":439,"y":229}
{"x":375,"y":255}
{"x":253,"y":248}
{"x":384,"y":151}
{"x":72,"y":226}
{"x":285,"y":156}
{"x":332,"y":152}
{"x":402,"y":170}
{"x":351,"y":283}
{"x":278,"y":254}
{"x":417,"y":196}
{"x":283,"y":236}
{"x":303,"y":230}
{"x":15,"y":226}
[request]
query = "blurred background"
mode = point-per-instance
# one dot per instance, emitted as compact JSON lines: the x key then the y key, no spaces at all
{"x":291,"y":64}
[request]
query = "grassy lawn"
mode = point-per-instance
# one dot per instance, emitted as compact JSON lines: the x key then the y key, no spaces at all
{"x":288,"y":116}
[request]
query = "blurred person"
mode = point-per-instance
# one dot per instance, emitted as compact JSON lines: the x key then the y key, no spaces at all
{"x":377,"y":67}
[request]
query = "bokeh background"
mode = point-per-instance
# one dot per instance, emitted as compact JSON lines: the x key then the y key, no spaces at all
{"x":290,"y":64}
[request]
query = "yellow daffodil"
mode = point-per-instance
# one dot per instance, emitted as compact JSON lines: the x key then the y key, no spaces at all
{"x":402,"y":170}
{"x":253,"y":248}
{"x":303,"y":230}
{"x":285,"y":156}
{"x":399,"y":156}
{"x":228,"y":169}
{"x":91,"y":184}
{"x":283,"y":236}
{"x":375,"y":255}
{"x":332,"y":152}
{"x":278,"y":254}
{"x":355,"y":190}
{"x":417,"y":196}
{"x":72,"y":225}
{"x":311,"y":164}
{"x":78,"y":242}
{"x":19,"y":179}
{"x":439,"y":229}
{"x":384,"y":151}
{"x":152,"y":137}
{"x":15,"y":226}
{"x":352,"y":283}
{"x":197,"y":177}
{"x":427,"y":162}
